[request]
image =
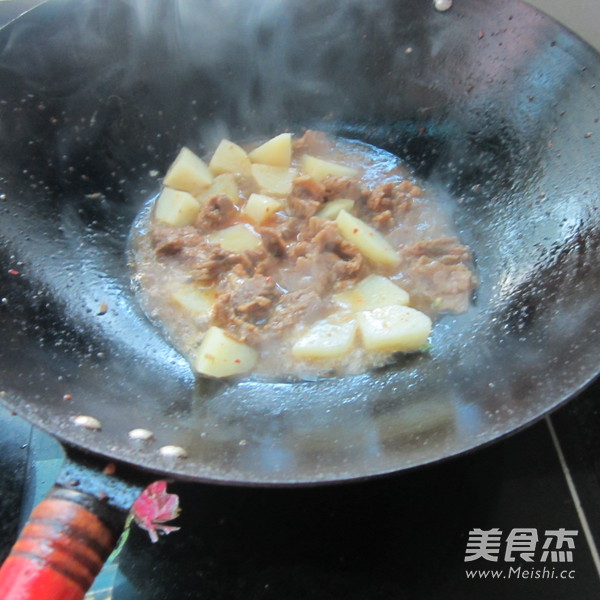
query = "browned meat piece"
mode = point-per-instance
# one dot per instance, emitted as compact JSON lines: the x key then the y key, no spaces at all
{"x":224,"y":316}
{"x":245,"y":303}
{"x":312,"y":142}
{"x":342,"y":187}
{"x":218,"y":212}
{"x":447,"y":250}
{"x":254,"y":297}
{"x":391,"y":195}
{"x":207,"y":261}
{"x":323,"y":235}
{"x":303,"y":208}
{"x":308,"y":188}
{"x":287,"y":226}
{"x":267,"y":265}
{"x":383,"y":220}
{"x":437,"y":273}
{"x":312,"y":228}
{"x":355,"y":268}
{"x":273,"y":241}
{"x":168,"y":240}
{"x":327,"y":238}
{"x":438,"y":287}
{"x":302,"y":305}
{"x":299,"y":249}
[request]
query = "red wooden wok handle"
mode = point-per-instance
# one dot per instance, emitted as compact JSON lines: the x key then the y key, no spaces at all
{"x":61,"y":548}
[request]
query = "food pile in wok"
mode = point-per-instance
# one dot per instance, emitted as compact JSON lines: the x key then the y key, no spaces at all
{"x":297,"y":257}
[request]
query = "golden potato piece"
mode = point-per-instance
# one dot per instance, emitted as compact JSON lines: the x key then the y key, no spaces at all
{"x":368,"y":240}
{"x":372,"y":292}
{"x":318,"y":168}
{"x":176,"y":208}
{"x":236,"y":238}
{"x":276,"y":152}
{"x":221,"y":356}
{"x":394,"y":329}
{"x":277,"y":181}
{"x":259,"y":207}
{"x":188,"y":173}
{"x":332,"y":208}
{"x":195,"y":300}
{"x":229,"y":158}
{"x":222,"y":184}
{"x":326,"y":339}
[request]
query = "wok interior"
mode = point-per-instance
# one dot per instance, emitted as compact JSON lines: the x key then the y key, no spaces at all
{"x":96,"y":99}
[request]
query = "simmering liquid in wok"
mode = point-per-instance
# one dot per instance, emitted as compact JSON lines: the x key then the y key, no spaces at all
{"x":299,"y":257}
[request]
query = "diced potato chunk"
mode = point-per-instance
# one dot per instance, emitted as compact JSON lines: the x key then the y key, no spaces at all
{"x":236,"y":238}
{"x":276,"y":152}
{"x":332,"y":208}
{"x":176,"y":208}
{"x":372,"y":292}
{"x":318,"y":168}
{"x":368,"y":240}
{"x":198,"y":301}
{"x":221,"y":356}
{"x":222,"y":184}
{"x":394,"y":329}
{"x":277,"y":181}
{"x":229,"y":158}
{"x":188,"y":173}
{"x":259,"y":207}
{"x":326,"y":339}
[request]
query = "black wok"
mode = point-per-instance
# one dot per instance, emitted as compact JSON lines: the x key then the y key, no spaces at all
{"x":492,"y":102}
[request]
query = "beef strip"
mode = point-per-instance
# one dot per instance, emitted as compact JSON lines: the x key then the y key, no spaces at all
{"x":206,"y":262}
{"x":339,"y":258}
{"x":323,"y":235}
{"x":273,"y":241}
{"x":218,"y":212}
{"x":308,"y":188}
{"x":355,"y":268}
{"x":168,"y":240}
{"x":254,"y":296}
{"x":438,"y":275}
{"x":342,"y":187}
{"x":243,"y":304}
{"x":390,"y":196}
{"x":447,"y":250}
{"x":303,"y":208}
{"x":301,"y":305}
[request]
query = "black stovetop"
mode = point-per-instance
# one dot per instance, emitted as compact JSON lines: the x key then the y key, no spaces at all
{"x":402,"y":536}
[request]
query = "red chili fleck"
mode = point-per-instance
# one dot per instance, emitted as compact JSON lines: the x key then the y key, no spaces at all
{"x":355,"y":230}
{"x":237,"y":360}
{"x":13,"y":272}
